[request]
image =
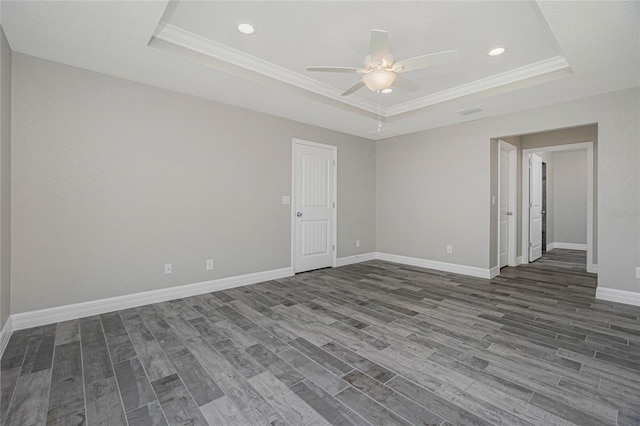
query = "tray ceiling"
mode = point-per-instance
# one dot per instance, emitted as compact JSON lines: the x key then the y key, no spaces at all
{"x":556,"y":51}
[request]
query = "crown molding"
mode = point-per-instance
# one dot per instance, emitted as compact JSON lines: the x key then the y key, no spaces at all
{"x":188,"y":40}
{"x":517,"y":75}
{"x":509,"y":80}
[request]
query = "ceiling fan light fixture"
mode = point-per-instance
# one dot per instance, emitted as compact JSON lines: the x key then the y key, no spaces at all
{"x":246,"y":28}
{"x":497,"y":51}
{"x":379,"y":80}
{"x":387,"y":90}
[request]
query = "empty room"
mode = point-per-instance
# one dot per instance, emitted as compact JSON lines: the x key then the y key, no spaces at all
{"x":319,"y":213}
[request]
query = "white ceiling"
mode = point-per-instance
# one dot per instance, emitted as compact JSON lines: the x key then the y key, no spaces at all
{"x":557,"y":51}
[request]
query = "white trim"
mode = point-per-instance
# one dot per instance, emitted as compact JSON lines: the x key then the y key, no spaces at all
{"x":357,"y":258}
{"x":334,"y":150}
{"x":513,"y":201}
{"x":5,"y":334}
{"x":518,"y":260}
{"x":620,"y":296}
{"x":594,"y":268}
{"x":570,"y":246}
{"x":525,"y":76}
{"x":188,"y":40}
{"x":494,"y":272}
{"x":525,"y":196}
{"x":94,"y":307}
{"x":472,"y":271}
{"x":551,"y":246}
{"x":556,"y":65}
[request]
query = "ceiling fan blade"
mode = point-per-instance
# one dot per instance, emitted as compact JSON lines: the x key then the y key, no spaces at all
{"x":405,"y":84}
{"x":426,"y":61}
{"x":379,"y":46}
{"x":336,"y":69}
{"x":353,"y":88}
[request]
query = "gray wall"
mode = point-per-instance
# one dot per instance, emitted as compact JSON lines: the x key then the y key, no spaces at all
{"x":434,"y":187}
{"x":570,"y":197}
{"x":113,"y":179}
{"x":5,"y":179}
{"x":432,"y":190}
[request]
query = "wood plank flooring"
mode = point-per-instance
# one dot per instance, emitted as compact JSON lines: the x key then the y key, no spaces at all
{"x":372,"y":343}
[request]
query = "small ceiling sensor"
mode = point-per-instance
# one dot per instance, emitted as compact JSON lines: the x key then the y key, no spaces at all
{"x":497,"y":51}
{"x":386,"y":91}
{"x":246,"y":28}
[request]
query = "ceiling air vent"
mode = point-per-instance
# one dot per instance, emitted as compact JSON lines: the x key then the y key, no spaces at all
{"x":471,"y":110}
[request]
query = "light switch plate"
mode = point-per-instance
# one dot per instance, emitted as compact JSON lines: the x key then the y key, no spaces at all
{"x":286,"y":199}
{"x":638,"y":272}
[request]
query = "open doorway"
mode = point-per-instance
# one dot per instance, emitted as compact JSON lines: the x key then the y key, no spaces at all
{"x":572,"y":221}
{"x":547,"y":144}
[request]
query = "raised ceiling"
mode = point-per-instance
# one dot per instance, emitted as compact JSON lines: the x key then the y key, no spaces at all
{"x":556,"y":51}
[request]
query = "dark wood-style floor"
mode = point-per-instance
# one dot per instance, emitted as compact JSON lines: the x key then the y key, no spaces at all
{"x":372,"y":343}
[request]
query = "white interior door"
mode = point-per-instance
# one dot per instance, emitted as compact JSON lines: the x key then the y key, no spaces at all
{"x":314,"y":200}
{"x":535,"y":207}
{"x":504,"y":207}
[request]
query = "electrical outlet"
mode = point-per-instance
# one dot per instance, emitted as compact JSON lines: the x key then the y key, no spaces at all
{"x":167,"y":268}
{"x":209,"y":264}
{"x":357,"y":243}
{"x":449,"y":249}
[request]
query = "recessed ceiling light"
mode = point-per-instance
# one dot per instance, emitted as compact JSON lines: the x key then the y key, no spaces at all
{"x":497,"y":51}
{"x":246,"y":28}
{"x":385,"y":91}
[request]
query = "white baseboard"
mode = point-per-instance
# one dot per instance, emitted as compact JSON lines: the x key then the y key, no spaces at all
{"x":439,"y":266}
{"x":567,"y":246}
{"x":494,"y":272}
{"x":94,"y":307}
{"x":518,"y":260}
{"x":5,"y":335}
{"x":620,"y":296}
{"x":593,"y":269}
{"x":348,"y":260}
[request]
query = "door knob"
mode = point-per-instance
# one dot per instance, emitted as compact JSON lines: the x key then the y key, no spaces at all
{"x":299,"y":214}
{"x":543,"y":212}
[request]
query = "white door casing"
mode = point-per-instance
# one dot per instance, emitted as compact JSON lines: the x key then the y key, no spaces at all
{"x":314,"y":191}
{"x":535,"y":207}
{"x":507,"y":184}
{"x":504,"y":208}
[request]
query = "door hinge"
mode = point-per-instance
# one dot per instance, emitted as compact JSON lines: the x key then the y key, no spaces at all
{"x":530,"y":244}
{"x":334,"y":162}
{"x":334,"y":247}
{"x":530,"y":205}
{"x":334,"y":205}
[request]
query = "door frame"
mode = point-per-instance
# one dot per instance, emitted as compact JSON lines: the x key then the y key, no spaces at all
{"x":588,"y":146}
{"x":334,"y":218}
{"x":513,"y":201}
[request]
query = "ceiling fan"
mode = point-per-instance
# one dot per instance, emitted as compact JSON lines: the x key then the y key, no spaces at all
{"x":381,"y":71}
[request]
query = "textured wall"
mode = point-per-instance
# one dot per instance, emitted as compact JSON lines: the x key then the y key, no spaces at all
{"x":113,"y":179}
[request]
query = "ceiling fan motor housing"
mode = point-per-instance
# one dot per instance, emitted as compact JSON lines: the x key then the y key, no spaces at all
{"x":386,"y":62}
